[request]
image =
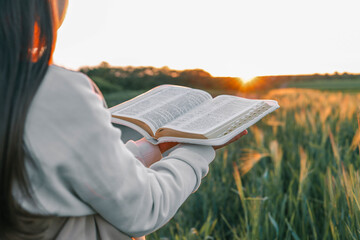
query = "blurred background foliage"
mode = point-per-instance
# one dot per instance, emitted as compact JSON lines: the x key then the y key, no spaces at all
{"x":294,"y":176}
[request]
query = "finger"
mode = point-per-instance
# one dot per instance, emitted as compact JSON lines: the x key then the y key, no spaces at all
{"x":166,"y":146}
{"x":172,"y":144}
{"x":237,"y":137}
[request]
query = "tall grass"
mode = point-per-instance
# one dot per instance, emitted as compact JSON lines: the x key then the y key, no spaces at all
{"x":295,"y":176}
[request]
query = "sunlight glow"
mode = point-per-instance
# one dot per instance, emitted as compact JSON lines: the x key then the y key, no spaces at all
{"x":247,"y":78}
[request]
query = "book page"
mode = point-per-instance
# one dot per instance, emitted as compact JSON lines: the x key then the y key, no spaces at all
{"x":213,"y":114}
{"x":163,"y":106}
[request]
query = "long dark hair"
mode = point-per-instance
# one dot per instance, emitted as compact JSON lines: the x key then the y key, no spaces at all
{"x":27,"y":38}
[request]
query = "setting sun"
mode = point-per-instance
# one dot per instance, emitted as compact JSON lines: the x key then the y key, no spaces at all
{"x":247,"y":78}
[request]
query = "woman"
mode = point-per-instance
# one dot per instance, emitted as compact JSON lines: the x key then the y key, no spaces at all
{"x":64,"y":171}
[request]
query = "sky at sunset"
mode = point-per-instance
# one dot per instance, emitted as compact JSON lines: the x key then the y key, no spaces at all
{"x":226,"y":38}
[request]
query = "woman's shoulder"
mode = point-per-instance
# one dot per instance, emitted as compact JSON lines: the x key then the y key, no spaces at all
{"x":64,"y":85}
{"x":63,"y":71}
{"x":61,"y":76}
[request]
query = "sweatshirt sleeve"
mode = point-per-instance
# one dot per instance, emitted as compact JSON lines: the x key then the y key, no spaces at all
{"x":95,"y":166}
{"x":135,"y":199}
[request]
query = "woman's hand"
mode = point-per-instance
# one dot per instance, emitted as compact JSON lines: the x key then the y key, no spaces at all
{"x":166,"y":146}
{"x":243,"y":133}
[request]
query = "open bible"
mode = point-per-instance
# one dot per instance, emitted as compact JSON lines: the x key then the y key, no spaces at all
{"x":171,"y":113}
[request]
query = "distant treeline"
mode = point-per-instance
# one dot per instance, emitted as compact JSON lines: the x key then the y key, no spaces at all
{"x":133,"y":78}
{"x":111,"y":79}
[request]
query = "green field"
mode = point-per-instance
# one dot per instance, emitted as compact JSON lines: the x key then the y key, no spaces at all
{"x":115,"y":98}
{"x":333,"y":85}
{"x":294,"y":176}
